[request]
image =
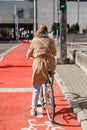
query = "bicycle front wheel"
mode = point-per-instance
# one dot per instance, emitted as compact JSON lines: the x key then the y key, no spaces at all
{"x":50,"y":102}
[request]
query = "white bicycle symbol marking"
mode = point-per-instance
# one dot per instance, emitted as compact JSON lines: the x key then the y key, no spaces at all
{"x":46,"y":123}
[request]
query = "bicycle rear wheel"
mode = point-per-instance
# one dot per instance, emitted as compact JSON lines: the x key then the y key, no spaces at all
{"x":50,"y":102}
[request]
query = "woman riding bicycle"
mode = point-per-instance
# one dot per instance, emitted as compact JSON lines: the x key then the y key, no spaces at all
{"x":43,"y":50}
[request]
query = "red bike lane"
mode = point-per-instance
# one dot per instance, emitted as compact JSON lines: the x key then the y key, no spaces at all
{"x":16,"y":94}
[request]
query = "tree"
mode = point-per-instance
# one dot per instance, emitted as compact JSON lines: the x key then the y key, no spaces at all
{"x":77,"y":27}
{"x":54,"y":28}
{"x":74,"y":28}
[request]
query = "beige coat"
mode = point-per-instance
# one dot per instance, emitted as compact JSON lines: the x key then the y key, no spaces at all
{"x":44,"y":60}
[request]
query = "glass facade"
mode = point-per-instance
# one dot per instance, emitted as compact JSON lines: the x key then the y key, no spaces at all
{"x":16,"y":19}
{"x":24,"y":11}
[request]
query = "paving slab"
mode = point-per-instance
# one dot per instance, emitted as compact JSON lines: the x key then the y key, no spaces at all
{"x":73,"y":83}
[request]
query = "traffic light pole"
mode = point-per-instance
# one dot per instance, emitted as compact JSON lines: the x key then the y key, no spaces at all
{"x":63,"y":44}
{"x":63,"y":47}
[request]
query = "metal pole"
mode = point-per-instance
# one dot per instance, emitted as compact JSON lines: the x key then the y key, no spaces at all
{"x":78,"y":13}
{"x":53,"y":11}
{"x":16,"y":22}
{"x":57,"y":36}
{"x":63,"y":44}
{"x":34,"y":16}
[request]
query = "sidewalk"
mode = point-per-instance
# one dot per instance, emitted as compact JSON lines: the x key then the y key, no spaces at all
{"x":73,"y":83}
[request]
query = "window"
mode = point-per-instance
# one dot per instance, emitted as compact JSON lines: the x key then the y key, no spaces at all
{"x":20,"y":13}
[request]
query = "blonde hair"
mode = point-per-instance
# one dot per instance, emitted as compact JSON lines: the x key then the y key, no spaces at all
{"x":41,"y":30}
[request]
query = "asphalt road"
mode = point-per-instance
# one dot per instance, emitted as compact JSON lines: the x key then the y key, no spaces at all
{"x":6,"y":47}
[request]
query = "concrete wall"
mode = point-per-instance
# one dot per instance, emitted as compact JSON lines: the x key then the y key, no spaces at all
{"x":79,"y":57}
{"x":47,"y":12}
{"x":81,"y":60}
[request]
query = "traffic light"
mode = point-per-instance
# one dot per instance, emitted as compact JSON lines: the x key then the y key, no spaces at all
{"x":62,"y":4}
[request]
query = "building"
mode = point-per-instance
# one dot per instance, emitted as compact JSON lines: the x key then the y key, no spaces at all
{"x":17,"y":17}
{"x":77,"y":13}
{"x":48,"y":12}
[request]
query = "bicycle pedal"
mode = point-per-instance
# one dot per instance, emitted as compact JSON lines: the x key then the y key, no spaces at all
{"x":39,"y":105}
{"x":54,"y":105}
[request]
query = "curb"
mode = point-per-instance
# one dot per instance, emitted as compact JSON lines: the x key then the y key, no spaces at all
{"x":81,"y":117}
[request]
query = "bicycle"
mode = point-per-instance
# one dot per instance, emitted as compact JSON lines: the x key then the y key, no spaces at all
{"x":48,"y":96}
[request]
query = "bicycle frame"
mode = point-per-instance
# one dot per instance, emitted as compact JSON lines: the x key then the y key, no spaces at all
{"x":48,"y":95}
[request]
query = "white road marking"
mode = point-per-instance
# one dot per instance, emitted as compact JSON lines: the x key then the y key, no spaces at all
{"x":1,"y":58}
{"x":16,"y":89}
{"x":7,"y":51}
{"x":48,"y":124}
